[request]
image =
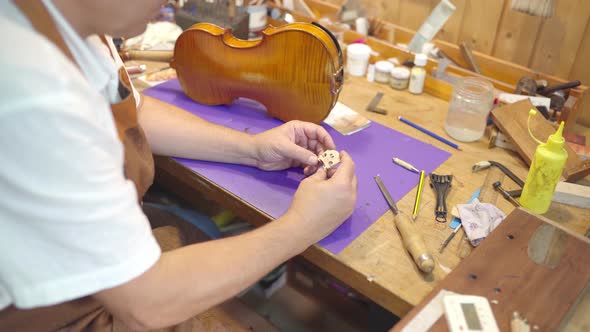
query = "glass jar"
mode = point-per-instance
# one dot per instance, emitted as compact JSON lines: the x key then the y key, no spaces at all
{"x":383,"y":71}
{"x":471,"y":102}
{"x":399,"y":78}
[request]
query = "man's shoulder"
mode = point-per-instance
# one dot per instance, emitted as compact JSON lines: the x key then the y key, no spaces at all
{"x":38,"y":78}
{"x":31,"y":64}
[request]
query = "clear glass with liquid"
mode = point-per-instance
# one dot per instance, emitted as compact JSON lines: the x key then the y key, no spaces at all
{"x":471,"y":102}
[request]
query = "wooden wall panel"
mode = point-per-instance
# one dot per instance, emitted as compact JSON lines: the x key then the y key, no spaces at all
{"x":480,"y":22}
{"x":412,"y":13}
{"x":516,"y":36}
{"x":385,"y":10}
{"x":581,"y":71}
{"x":450,"y":31}
{"x":559,"y":45}
{"x":560,"y":37}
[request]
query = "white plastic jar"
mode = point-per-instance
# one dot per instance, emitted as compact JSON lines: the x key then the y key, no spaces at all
{"x":399,"y":78}
{"x":383,"y":71}
{"x":357,"y":59}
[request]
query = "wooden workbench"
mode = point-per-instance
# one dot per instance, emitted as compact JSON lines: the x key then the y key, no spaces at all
{"x":376,"y":264}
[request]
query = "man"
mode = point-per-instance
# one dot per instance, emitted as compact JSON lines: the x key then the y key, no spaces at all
{"x":73,"y":170}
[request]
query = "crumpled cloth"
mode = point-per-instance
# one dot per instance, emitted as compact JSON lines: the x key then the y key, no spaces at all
{"x":158,"y":36}
{"x":479,"y":219}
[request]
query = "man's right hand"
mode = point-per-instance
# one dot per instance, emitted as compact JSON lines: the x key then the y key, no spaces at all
{"x":321,"y":204}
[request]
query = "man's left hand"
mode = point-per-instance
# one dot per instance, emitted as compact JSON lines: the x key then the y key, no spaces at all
{"x":293,"y":144}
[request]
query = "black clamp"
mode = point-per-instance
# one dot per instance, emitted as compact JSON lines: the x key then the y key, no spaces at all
{"x":441,"y":184}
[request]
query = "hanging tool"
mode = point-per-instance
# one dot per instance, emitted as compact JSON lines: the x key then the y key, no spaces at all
{"x":546,"y":91}
{"x":489,"y":163}
{"x":441,"y":184}
{"x":411,"y":238}
{"x":498,"y":187}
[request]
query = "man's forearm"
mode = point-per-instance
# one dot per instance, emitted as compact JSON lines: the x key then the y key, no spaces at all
{"x":189,"y":280}
{"x":174,"y":132}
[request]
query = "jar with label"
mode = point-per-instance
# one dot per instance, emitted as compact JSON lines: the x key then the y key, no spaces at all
{"x":399,"y":78}
{"x":357,"y":59}
{"x":471,"y":102}
{"x":418,"y":74}
{"x":383,"y":71}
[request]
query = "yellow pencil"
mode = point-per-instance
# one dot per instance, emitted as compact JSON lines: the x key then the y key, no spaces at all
{"x":418,"y":194}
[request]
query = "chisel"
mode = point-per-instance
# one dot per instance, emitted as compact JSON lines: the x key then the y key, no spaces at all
{"x":411,"y":238}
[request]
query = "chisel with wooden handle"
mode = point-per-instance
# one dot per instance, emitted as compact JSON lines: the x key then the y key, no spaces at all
{"x":411,"y":238}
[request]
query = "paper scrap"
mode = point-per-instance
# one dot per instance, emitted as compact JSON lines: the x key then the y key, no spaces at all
{"x":157,"y":77}
{"x":345,"y":120}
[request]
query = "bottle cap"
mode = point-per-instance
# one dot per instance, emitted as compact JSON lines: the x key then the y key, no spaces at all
{"x":384,"y":66}
{"x":555,"y":142}
{"x":420,"y":59}
{"x":358,"y":50}
{"x":400,"y":73}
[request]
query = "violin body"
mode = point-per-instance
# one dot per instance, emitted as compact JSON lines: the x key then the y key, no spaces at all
{"x":295,"y":70}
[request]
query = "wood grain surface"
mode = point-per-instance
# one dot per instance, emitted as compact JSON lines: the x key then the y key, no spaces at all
{"x":501,"y":270}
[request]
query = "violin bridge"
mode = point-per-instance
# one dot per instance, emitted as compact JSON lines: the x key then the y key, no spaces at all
{"x":329,"y":158}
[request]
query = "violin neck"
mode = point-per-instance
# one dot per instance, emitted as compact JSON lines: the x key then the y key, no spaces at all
{"x":163,"y":56}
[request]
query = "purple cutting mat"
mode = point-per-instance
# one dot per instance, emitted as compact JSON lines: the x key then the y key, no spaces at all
{"x":272,"y":192}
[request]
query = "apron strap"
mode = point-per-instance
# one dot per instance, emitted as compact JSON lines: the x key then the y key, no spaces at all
{"x":42,"y":21}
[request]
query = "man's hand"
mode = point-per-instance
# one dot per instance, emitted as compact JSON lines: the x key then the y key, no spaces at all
{"x":293,"y":144}
{"x":321,"y":204}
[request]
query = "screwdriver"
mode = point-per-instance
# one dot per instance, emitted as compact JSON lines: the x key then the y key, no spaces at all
{"x":448,"y":240}
{"x":411,"y":238}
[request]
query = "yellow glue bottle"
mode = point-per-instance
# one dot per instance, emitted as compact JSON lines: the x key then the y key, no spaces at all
{"x":548,"y":163}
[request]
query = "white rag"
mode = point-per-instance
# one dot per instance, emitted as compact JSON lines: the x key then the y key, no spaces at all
{"x":479,"y":219}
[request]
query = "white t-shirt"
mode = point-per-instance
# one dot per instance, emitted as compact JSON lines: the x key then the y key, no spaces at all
{"x":70,"y":224}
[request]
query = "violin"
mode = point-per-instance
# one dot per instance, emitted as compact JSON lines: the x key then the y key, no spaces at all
{"x":295,"y":71}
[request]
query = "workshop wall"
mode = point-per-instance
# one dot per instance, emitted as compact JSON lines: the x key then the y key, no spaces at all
{"x":559,"y":45}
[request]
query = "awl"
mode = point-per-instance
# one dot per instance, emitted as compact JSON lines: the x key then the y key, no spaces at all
{"x":411,"y":238}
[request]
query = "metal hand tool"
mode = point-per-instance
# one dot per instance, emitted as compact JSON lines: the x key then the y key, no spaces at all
{"x":411,"y":238}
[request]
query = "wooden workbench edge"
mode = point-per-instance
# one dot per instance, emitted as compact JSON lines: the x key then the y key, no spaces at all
{"x":173,"y":176}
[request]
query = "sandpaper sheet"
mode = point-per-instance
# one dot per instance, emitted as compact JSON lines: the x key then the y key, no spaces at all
{"x":272,"y":192}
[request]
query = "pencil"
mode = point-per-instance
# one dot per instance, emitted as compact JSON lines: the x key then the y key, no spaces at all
{"x":418,"y":194}
{"x":428,"y":132}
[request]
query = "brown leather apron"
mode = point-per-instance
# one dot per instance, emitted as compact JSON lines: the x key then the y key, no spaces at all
{"x":85,"y":313}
